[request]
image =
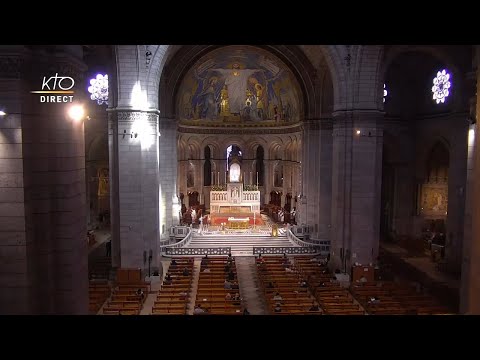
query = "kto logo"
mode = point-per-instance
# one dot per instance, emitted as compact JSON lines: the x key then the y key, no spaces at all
{"x":56,"y":85}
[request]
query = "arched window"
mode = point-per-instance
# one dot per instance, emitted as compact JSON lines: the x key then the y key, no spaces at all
{"x":260,"y":165}
{"x":207,"y":168}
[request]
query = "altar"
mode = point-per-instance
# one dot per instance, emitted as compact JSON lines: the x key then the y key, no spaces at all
{"x":235,"y":206}
{"x":238,"y":223}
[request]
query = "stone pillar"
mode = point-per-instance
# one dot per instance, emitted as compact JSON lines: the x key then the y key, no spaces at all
{"x":324,"y":215}
{"x":470,"y":289}
{"x":134,"y":179}
{"x":311,"y":174}
{"x":457,"y":173}
{"x":267,"y":178}
{"x":356,"y":187}
{"x":467,"y":233}
{"x":43,"y":246}
{"x":169,"y":202}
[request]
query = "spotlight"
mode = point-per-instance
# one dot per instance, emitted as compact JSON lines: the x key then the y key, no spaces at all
{"x":358,"y":132}
{"x":76,"y":112}
{"x":2,"y":113}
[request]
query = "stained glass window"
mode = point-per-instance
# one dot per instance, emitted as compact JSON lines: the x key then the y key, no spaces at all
{"x":441,"y":86}
{"x":99,"y":89}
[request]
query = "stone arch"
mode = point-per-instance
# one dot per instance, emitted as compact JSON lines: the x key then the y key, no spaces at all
{"x":438,"y":53}
{"x":424,"y":152}
{"x":293,"y":56}
{"x":98,"y":148}
{"x":212,"y":142}
{"x":146,"y":65}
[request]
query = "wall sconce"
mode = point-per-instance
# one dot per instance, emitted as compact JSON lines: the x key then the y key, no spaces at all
{"x":132,"y":134}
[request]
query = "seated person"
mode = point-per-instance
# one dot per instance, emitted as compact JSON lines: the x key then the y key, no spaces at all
{"x":277,"y":308}
{"x":270,"y":285}
{"x":228,"y":296}
{"x":235,"y":285}
{"x":198,"y":309}
{"x":236,"y":299}
{"x":363,"y":279}
{"x":227,"y":268}
{"x":168,"y":279}
{"x":185,"y":272}
{"x":322,"y":284}
{"x":314,"y":307}
{"x":183,"y":295}
{"x":303,"y":283}
{"x":227,"y":284}
{"x":278,"y":297}
{"x":173,"y":263}
{"x":140,"y":293}
{"x":287,"y":269}
{"x":206,"y":270}
{"x":205,"y":260}
{"x":231,"y":275}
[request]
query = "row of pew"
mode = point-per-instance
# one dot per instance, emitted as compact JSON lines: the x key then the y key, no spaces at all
{"x":218,"y":291}
{"x":174,"y":296}
{"x":283,"y":287}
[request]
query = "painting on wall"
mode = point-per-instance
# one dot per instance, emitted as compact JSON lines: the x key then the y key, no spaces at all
{"x":240,"y":84}
{"x":434,"y":200}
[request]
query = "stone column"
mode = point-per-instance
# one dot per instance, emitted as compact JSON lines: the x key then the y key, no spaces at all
{"x":267,"y":178}
{"x":43,"y":246}
{"x":457,"y":173}
{"x":169,"y":202}
{"x":311,"y":174}
{"x":135,"y":187}
{"x":467,"y":233}
{"x":470,"y":286}
{"x":324,"y":214}
{"x":356,"y":186}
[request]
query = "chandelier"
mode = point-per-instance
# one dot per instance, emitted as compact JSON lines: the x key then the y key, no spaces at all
{"x":99,"y":89}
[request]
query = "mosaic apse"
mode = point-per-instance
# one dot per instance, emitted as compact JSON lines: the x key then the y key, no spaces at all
{"x":239,"y":84}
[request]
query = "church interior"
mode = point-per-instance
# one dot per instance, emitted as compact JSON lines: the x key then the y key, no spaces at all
{"x":239,"y":179}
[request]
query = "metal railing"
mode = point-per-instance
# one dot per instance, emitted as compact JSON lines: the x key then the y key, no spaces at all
{"x":173,"y":251}
{"x":293,"y":250}
{"x":179,"y":244}
{"x":324,"y":245}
